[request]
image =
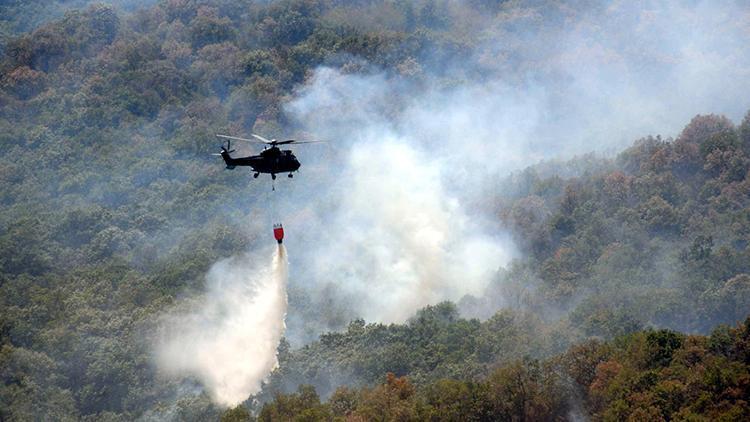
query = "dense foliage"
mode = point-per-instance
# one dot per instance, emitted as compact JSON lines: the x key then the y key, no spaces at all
{"x":436,"y":343}
{"x":111,"y":211}
{"x":647,"y":375}
{"x":19,"y":16}
{"x":660,"y":237}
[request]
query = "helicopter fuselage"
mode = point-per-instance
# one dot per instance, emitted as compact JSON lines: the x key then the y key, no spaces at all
{"x":271,"y":161}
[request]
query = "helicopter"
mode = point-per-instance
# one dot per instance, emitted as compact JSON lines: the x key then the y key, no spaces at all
{"x":271,"y":160}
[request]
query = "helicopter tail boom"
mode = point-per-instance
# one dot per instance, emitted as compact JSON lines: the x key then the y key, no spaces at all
{"x":228,"y":160}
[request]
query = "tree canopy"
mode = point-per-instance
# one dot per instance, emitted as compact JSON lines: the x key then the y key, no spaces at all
{"x":633,"y":270}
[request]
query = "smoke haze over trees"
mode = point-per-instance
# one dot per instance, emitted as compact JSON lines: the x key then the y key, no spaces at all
{"x":560,"y":171}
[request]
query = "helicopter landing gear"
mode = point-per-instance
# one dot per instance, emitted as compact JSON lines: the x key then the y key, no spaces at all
{"x":290,"y":175}
{"x":255,"y":176}
{"x":273,"y":176}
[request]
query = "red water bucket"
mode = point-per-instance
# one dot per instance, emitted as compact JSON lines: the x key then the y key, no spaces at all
{"x":278,"y":232}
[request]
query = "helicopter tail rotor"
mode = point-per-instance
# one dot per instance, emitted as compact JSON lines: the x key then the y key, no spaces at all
{"x":228,"y":149}
{"x":224,"y":149}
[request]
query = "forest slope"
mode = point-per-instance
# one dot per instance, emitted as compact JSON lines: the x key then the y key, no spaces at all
{"x":111,"y":209}
{"x":646,"y":375}
{"x":657,"y":237}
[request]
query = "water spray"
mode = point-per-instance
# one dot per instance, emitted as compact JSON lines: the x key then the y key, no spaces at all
{"x":228,"y":339}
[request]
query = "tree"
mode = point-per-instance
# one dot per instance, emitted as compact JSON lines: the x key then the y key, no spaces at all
{"x":661,"y":346}
{"x":24,"y":82}
{"x":304,"y":405}
{"x":734,"y":298}
{"x":451,"y":400}
{"x":394,"y":400}
{"x":238,"y":413}
{"x":207,"y":28}
{"x":527,"y":390}
{"x":744,"y":134}
{"x":702,"y":127}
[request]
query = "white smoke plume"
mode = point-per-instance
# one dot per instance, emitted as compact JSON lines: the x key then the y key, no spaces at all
{"x":401,"y":236}
{"x":401,"y":241}
{"x":416,"y":162}
{"x":229,"y":340}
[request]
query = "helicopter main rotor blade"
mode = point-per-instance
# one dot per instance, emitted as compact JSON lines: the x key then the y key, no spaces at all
{"x":292,"y":141}
{"x":236,"y":138}
{"x":264,"y":140}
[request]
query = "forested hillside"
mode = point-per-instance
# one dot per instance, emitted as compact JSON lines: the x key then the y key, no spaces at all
{"x":657,"y":237}
{"x":647,"y":375}
{"x":112,"y":210}
{"x":19,"y":16}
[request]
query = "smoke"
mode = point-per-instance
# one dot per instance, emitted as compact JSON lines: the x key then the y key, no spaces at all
{"x":401,"y":210}
{"x":401,"y":241}
{"x":230,"y":338}
{"x":409,"y":198}
{"x":401,"y":236}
